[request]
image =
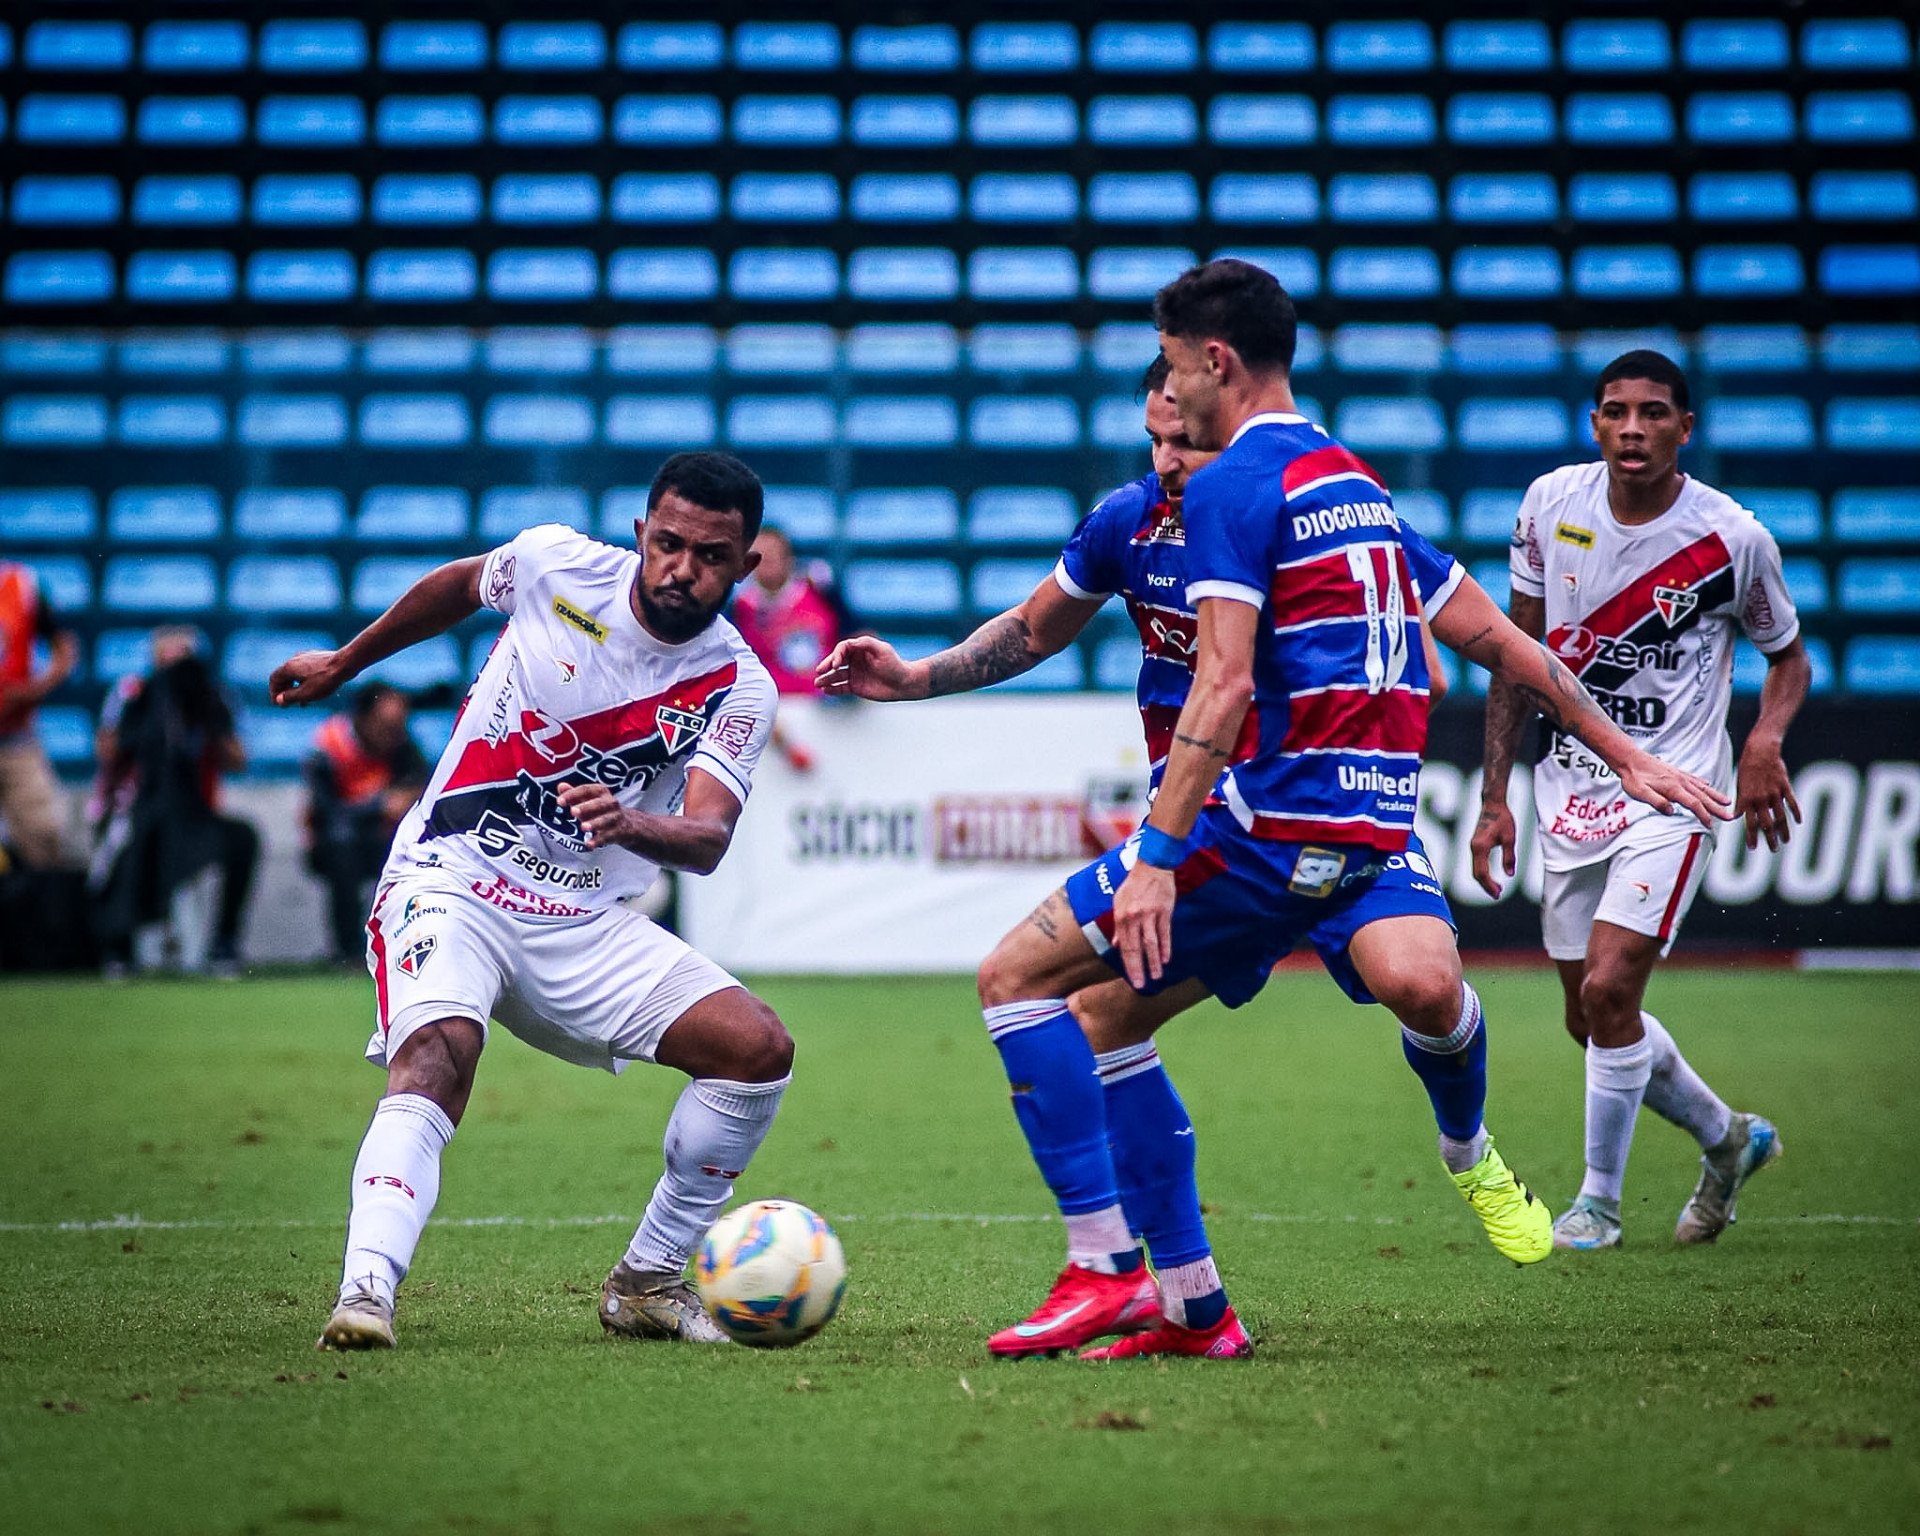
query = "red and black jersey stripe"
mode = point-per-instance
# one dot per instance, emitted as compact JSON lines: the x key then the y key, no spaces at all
{"x":1703,"y":570}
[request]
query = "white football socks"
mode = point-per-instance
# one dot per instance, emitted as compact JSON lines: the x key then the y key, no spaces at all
{"x":1678,"y":1093}
{"x":1616,"y":1083}
{"x":1464,"y":1156}
{"x":712,"y":1134}
{"x":396,"y":1179}
{"x":1098,"y":1239}
{"x":1182,"y":1283}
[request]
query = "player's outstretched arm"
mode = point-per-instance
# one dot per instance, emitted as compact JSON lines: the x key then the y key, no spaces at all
{"x":1762,"y":789}
{"x":431,"y":606}
{"x":1475,"y":627}
{"x":1507,"y":717}
{"x":695,"y":840}
{"x":1005,"y":646}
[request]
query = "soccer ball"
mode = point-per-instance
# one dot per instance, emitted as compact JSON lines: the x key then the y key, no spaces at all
{"x":771,"y":1273}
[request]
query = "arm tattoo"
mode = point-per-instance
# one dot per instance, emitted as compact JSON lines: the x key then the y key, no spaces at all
{"x":1212,"y":749}
{"x":1043,"y":917}
{"x":999,"y":649}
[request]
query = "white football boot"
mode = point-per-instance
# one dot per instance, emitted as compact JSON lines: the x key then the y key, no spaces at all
{"x":1749,"y":1145}
{"x":1588,"y":1223}
{"x":360,"y":1321}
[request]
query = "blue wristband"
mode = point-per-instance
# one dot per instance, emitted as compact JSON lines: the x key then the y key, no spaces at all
{"x":1161,"y":849}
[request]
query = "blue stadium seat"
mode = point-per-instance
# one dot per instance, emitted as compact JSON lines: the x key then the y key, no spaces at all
{"x":1871,"y":348}
{"x":1142,"y":120}
{"x":1829,"y":43}
{"x":878,"y":198}
{"x":191,"y":120}
{"x":1791,"y":513}
{"x":781,"y":421}
{"x":313,"y":47}
{"x":65,"y":200}
{"x":1487,"y":517}
{"x":552,"y":46}
{"x":784,"y":276}
{"x":1880,"y":586}
{"x":903,"y":274}
{"x":412,"y":514}
{"x":66,"y":732}
{"x":1373,"y":348}
{"x":426,"y":664}
{"x":670,"y":275}
{"x":66,"y":581}
{"x":1116,"y":423}
{"x":661,"y":421}
{"x":1884,"y":665}
{"x":538,"y":421}
{"x":1634,"y":197}
{"x":1743,"y":197}
{"x":1512,"y":349}
{"x":65,"y":515}
{"x":194,"y":47}
{"x":1243,"y":198}
{"x":421,"y":276}
{"x":1400,"y":198}
{"x":1262,"y":120}
{"x":1425,"y":511}
{"x":549,"y":350}
{"x":1770,"y":348}
{"x":292,"y":421}
{"x":433,"y":47}
{"x":1024,"y":47}
{"x":1747,"y":271}
{"x":670,"y":197}
{"x":1135,"y":271}
{"x":671,"y":45}
{"x":1806,"y":579}
{"x":805,"y":513}
{"x":1870,"y":270}
{"x":1024,"y":422}
{"x":1260,"y":48}
{"x":542,"y":276}
{"x":902,"y":421}
{"x":1357,"y":120}
{"x":58,"y":277}
{"x":1116,"y":664}
{"x":163,"y":514}
{"x":62,"y":352}
{"x":1020,"y":514}
{"x":532,"y":198}
{"x":1626,"y":271}
{"x":415,"y":421}
{"x":1890,"y":425}
{"x":417,"y":200}
{"x":657,"y":349}
{"x":1615,"y":47}
{"x":1124,"y":347}
{"x":173,"y":352}
{"x":507,"y":509}
{"x":378,"y":582}
{"x":1750,"y":667}
{"x":48,"y":421}
{"x":78,"y":47}
{"x":997,"y":584}
{"x":921,"y":516}
{"x":1500,"y":117}
{"x":1639,"y":117}
{"x":289,"y":199}
{"x":250,"y":655}
{"x":1877,"y":515}
{"x":300,"y":277}
{"x":891,"y":122}
{"x":1747,"y":46}
{"x":119,"y":653}
{"x":1757,"y":424}
{"x":895,"y":349}
{"x":1149,"y":48}
{"x":786,"y":120}
{"x":1859,"y":117}
{"x":1529,"y":197}
{"x":1017,"y":198}
{"x":547,"y":120}
{"x":771,"y":197}
{"x":50,"y":119}
{"x":903,"y":588}
{"x":1023,"y":273}
{"x":302,"y":350}
{"x":1507,"y":272}
{"x":187,"y":201}
{"x":159,"y":584}
{"x":1498,"y":47}
{"x":1390,"y":424}
{"x":781,"y":349}
{"x":1863,"y":196}
{"x":1515,"y":425}
{"x":419,"y":122}
{"x":270,"y":515}
{"x":928,"y":49}
{"x":1062,"y":672}
{"x":1023,"y":120}
{"x":1740,"y":117}
{"x":172,"y":421}
{"x":1380,"y":47}
{"x":309,"y":122}
{"x":1384,"y":272}
{"x":786,"y":45}
{"x":1143,"y":197}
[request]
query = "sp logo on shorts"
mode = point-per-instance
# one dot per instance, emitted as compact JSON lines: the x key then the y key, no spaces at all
{"x":417,"y":954}
{"x":1317,"y":872}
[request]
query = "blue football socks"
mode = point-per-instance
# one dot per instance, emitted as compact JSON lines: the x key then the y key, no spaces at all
{"x":1453,"y":1069}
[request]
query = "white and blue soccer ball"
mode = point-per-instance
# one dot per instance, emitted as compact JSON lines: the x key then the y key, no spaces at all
{"x":771,"y":1273}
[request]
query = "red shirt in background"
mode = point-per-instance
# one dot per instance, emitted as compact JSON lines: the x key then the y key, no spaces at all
{"x":791,"y":630}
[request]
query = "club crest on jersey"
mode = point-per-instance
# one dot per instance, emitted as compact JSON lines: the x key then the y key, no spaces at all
{"x":1674,"y":604}
{"x":678,"y":727}
{"x":1579,"y":538}
{"x":593,"y":629}
{"x":569,"y":669}
{"x":417,"y":954}
{"x":1317,"y":872}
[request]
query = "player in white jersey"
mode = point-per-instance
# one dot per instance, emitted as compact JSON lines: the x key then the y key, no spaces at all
{"x":614,"y":730}
{"x":1639,"y":577}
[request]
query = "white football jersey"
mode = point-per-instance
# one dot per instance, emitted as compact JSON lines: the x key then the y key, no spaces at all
{"x":1645,"y":617}
{"x":576,"y":691}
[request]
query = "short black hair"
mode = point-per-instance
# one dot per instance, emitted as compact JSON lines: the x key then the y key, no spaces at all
{"x":1235,"y":302}
{"x":717,"y":481}
{"x":369,"y":698}
{"x":1644,"y":363}
{"x":1155,"y":378}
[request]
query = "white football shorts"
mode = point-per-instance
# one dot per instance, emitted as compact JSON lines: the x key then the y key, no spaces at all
{"x":594,"y":988}
{"x":1645,"y":886}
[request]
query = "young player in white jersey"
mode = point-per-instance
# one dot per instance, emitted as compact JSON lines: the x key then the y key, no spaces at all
{"x":614,"y":730}
{"x":1638,"y":577}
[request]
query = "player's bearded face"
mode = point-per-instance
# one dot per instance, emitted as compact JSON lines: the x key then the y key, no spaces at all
{"x":1193,"y":389}
{"x":691,"y":557}
{"x":1640,"y":430}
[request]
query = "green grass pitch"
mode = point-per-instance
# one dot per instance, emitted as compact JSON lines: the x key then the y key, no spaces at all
{"x":159,"y":1375}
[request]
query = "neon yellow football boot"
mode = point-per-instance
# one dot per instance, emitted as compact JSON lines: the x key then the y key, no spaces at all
{"x":1517,"y":1222}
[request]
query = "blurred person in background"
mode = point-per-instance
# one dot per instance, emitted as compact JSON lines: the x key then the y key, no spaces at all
{"x":164,"y":742}
{"x":792,"y":618}
{"x":362,"y":776}
{"x":30,"y":802}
